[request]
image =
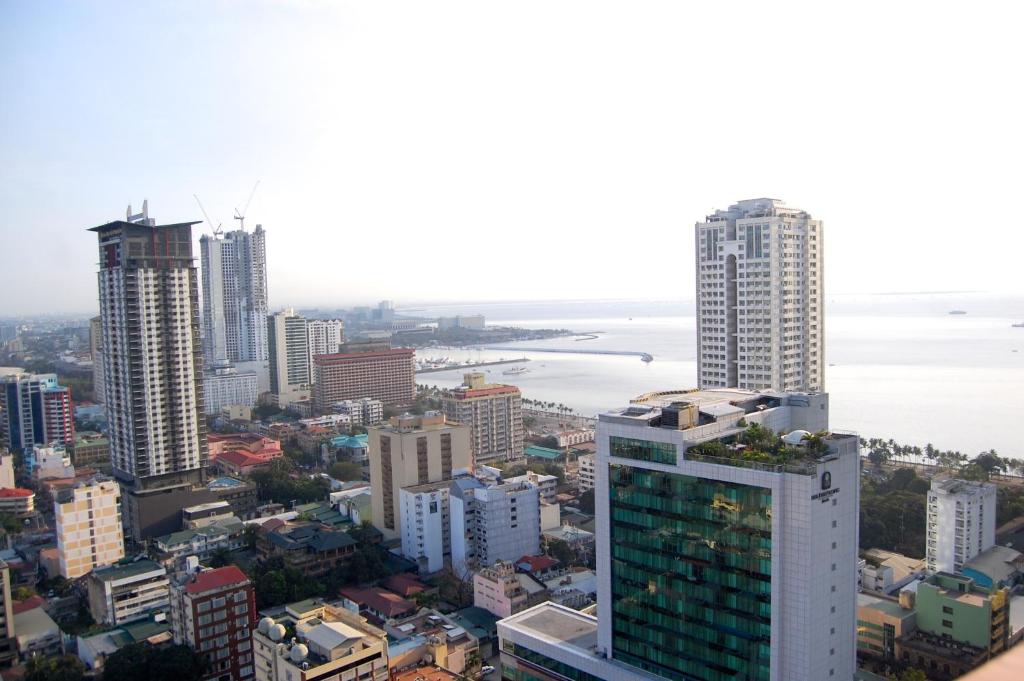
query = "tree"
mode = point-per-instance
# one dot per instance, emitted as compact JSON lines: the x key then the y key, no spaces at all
{"x":346,"y":470}
{"x":910,"y":674}
{"x":560,"y":551}
{"x":220,"y":557}
{"x":587,"y":502}
{"x":142,"y":662}
{"x":250,"y":535}
{"x":63,"y":668}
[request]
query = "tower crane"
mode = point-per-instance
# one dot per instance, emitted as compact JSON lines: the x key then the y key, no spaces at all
{"x":241,"y":216}
{"x":217,"y":231}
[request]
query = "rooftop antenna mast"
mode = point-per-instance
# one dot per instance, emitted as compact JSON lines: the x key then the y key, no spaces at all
{"x":217,"y":231}
{"x":241,"y":216}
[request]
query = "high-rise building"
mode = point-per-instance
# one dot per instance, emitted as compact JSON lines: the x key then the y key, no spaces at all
{"x":88,"y":522}
{"x":723,"y":550}
{"x":325,"y":336}
{"x":290,"y":369}
{"x":34,"y":410}
{"x":492,"y":522}
{"x":96,"y":354}
{"x":227,"y":386}
{"x":494,"y":413}
{"x":360,"y":370}
{"x":213,"y":612}
{"x":8,"y":643}
{"x":961,"y":522}
{"x":234,"y":268}
{"x":408,"y":451}
{"x":426,"y":525}
{"x":152,"y":366}
{"x":760,"y":298}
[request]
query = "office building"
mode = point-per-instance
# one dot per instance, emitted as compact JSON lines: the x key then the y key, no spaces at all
{"x":96,"y":354}
{"x":760,"y":298}
{"x":323,"y":642}
{"x":125,"y":592}
{"x":374,"y":370}
{"x":710,"y":527}
{"x":291,"y":373}
{"x":492,"y":522}
{"x":226,"y":386}
{"x":961,"y":522}
{"x":88,"y":523}
{"x":408,"y":451}
{"x":325,"y":336}
{"x":426,"y":525}
{"x":91,"y":450}
{"x":152,"y":366}
{"x":494,"y":413}
{"x":34,"y":410}
{"x":234,"y":268}
{"x":213,"y":612}
{"x":8,"y":644}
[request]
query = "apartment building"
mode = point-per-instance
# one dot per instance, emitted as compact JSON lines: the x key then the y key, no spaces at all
{"x":234,"y":267}
{"x":760,"y":298}
{"x":587,"y":472}
{"x":961,"y":522}
{"x":492,"y":522}
{"x":494,"y":414}
{"x":503,"y":592}
{"x":88,"y":523}
{"x":34,"y":410}
{"x":125,"y":592}
{"x":291,"y":369}
{"x":325,"y":336}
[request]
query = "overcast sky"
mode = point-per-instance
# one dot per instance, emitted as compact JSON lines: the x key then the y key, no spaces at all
{"x":518,"y":150}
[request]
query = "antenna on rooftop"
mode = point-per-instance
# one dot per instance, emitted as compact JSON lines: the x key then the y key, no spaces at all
{"x":241,"y":216}
{"x":217,"y":231}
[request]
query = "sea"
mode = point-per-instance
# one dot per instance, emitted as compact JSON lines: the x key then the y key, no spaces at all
{"x":898,"y":365}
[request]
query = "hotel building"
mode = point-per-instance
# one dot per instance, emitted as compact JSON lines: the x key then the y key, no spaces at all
{"x":374,"y":370}
{"x":760,"y":298}
{"x":723,"y":551}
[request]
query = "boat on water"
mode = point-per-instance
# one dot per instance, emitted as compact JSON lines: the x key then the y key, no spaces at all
{"x":515,"y":371}
{"x":958,"y":312}
{"x":1018,"y":325}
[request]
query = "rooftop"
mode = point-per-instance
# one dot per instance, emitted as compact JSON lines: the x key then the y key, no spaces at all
{"x":543,"y":452}
{"x":126,"y":570}
{"x":374,"y":598}
{"x":999,"y":563}
{"x":968,"y":488}
{"x":886,"y":605}
{"x":209,"y":580}
{"x":426,"y":674}
{"x":15,"y":492}
{"x":557,"y":624}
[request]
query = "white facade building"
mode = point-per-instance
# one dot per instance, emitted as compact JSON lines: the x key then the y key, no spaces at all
{"x":152,"y":362}
{"x":128,"y":592}
{"x":225,"y":386}
{"x":426,"y":525}
{"x":325,"y":335}
{"x":760,"y":298}
{"x":291,"y":368}
{"x":961,"y":522}
{"x":234,"y":295}
{"x":491,"y":522}
{"x":363,"y":412}
{"x":587,"y":471}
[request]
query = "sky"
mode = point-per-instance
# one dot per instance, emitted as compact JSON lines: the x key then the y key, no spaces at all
{"x":440,"y":151}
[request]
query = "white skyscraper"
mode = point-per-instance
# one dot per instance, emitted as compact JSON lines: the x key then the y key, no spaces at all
{"x":152,"y":367}
{"x":325,"y":335}
{"x":234,"y":295}
{"x":760,"y":300}
{"x":291,"y":370}
{"x":961,"y":522}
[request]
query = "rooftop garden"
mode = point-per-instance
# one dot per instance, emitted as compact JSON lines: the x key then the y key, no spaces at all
{"x":760,"y":445}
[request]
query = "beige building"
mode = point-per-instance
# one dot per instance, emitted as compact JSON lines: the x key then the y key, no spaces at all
{"x":311,"y":641}
{"x":8,"y":645}
{"x":588,"y":472}
{"x":503,"y":592}
{"x":88,"y":520}
{"x":412,"y":450}
{"x":494,"y":413}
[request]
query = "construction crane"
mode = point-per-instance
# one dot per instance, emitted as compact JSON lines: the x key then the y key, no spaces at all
{"x":217,"y":231}
{"x":241,"y":216}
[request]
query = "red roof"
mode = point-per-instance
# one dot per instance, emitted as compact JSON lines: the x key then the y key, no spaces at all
{"x":374,"y":354}
{"x":30,"y":603}
{"x":384,"y":602}
{"x":8,"y":492}
{"x":403,"y":585}
{"x":537,"y":563}
{"x":215,"y":579}
{"x":240,"y":458}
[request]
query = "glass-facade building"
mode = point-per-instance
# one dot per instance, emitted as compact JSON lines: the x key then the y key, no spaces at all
{"x":690,"y":574}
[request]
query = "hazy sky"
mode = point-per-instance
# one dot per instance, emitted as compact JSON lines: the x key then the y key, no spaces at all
{"x":516,"y":150}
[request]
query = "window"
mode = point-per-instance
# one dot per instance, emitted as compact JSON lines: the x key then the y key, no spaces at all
{"x":643,"y":450}
{"x":947,"y":623}
{"x":947,"y":610}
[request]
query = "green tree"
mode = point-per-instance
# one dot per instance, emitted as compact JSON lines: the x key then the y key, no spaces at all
{"x":346,"y":471}
{"x":587,"y":502}
{"x":250,"y":535}
{"x":560,"y":551}
{"x":63,"y":668}
{"x":142,"y":662}
{"x":220,"y":557}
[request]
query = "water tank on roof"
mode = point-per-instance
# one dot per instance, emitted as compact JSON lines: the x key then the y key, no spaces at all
{"x":298,"y":652}
{"x":265,"y":624}
{"x":276,"y":632}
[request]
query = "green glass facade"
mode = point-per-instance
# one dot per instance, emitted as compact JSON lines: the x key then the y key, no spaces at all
{"x":691,"y":575}
{"x":643,"y":450}
{"x":509,"y":673}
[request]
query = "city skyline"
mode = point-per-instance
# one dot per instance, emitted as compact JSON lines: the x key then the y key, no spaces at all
{"x":514,"y":154}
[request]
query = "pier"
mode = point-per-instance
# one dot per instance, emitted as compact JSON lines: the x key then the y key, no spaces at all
{"x":645,"y":356}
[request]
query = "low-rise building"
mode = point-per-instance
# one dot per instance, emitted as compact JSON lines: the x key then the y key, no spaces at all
{"x":37,"y":634}
{"x":575,"y":589}
{"x":91,"y":449}
{"x":998,"y":567}
{"x":8,"y":644}
{"x":127,"y":591}
{"x":309,"y":547}
{"x":570,"y":438}
{"x":954,"y":607}
{"x":363,"y":412}
{"x":240,"y":495}
{"x":430,"y":637}
{"x":587,"y":472}
{"x":17,"y":501}
{"x":380,"y":605}
{"x":213,"y":612}
{"x":327,"y":643}
{"x":351,"y":448}
{"x":500,"y":590}
{"x":881,"y":622}
{"x":93,"y":651}
{"x":53,"y":461}
{"x":201,"y":542}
